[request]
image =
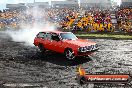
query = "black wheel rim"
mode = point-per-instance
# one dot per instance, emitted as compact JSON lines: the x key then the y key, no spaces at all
{"x":69,"y":54}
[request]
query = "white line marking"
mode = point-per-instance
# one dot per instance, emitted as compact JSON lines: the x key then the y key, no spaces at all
{"x":21,"y":85}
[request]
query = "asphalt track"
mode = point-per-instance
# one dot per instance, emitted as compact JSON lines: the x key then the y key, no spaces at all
{"x":24,"y":66}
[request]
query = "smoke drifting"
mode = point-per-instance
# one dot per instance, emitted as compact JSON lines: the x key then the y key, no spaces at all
{"x":118,"y":2}
{"x":27,"y":32}
{"x":27,"y":35}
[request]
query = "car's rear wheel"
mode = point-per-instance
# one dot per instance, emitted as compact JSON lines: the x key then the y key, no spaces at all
{"x":69,"y":54}
{"x":41,"y":48}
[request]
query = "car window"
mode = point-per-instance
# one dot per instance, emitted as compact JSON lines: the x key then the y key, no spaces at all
{"x":68,"y":36}
{"x":55,"y":37}
{"x":48,"y":35}
{"x":41,"y":35}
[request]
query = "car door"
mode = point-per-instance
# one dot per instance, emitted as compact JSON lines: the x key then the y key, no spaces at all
{"x":56,"y":43}
{"x":48,"y":41}
{"x":40,"y":38}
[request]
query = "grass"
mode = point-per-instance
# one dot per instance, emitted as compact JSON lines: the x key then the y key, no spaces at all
{"x":99,"y":35}
{"x":115,"y":36}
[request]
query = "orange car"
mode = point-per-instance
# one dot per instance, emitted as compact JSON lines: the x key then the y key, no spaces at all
{"x":64,"y":42}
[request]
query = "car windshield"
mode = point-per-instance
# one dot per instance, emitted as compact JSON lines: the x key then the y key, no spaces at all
{"x":68,"y":36}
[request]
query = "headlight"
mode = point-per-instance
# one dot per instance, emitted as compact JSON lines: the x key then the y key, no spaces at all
{"x":88,"y":48}
{"x":82,"y":49}
{"x":96,"y":46}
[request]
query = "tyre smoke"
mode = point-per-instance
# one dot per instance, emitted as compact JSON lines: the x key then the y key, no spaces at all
{"x":27,"y":35}
{"x":27,"y":31}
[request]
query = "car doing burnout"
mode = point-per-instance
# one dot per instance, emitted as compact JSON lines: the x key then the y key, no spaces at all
{"x":64,"y":42}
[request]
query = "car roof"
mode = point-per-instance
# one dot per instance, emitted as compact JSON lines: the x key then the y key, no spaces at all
{"x":57,"y":32}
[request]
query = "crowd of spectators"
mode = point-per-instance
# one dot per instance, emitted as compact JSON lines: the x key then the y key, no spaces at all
{"x":124,"y":18}
{"x":93,"y":19}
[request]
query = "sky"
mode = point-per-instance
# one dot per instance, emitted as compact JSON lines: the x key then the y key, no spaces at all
{"x":4,"y":2}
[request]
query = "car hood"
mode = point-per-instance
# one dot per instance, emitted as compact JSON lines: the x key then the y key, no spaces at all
{"x":80,"y":42}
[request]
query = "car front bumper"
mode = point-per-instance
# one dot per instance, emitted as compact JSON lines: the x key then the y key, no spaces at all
{"x":86,"y":53}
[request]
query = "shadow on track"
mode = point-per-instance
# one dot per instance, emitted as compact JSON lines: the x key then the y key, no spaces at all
{"x":59,"y":59}
{"x":18,"y":52}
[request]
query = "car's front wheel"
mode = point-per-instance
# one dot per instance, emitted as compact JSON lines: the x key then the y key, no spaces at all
{"x":69,"y":54}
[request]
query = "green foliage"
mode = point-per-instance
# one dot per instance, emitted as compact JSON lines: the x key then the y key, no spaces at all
{"x":116,"y":36}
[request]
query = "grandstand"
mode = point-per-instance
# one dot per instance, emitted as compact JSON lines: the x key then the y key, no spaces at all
{"x":66,"y":3}
{"x":85,"y":15}
{"x":62,"y":4}
{"x":127,"y":3}
{"x":15,"y":6}
{"x":97,"y":3}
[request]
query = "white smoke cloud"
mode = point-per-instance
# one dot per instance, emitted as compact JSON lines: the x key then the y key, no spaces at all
{"x":27,"y":32}
{"x":3,"y":1}
{"x":27,"y":35}
{"x":23,"y":35}
{"x":118,"y":2}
